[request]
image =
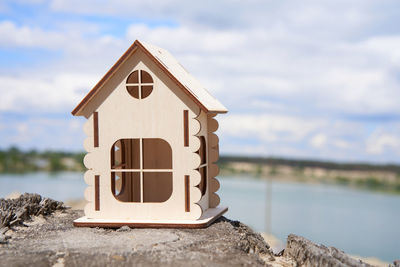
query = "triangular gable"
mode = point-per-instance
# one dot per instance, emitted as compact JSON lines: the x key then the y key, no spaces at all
{"x":172,"y":68}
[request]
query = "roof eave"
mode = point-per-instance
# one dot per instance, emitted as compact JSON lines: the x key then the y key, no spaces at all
{"x":172,"y":77}
{"x":78,"y":109}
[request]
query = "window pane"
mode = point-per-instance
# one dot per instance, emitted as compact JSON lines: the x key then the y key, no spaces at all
{"x":118,"y":185}
{"x":132,"y":150}
{"x":157,"y":154}
{"x":133,"y":91}
{"x":157,"y":186}
{"x":125,"y":186}
{"x":146,"y":77}
{"x":133,"y":77}
{"x":116,"y":155}
{"x":146,"y":90}
{"x":125,"y":154}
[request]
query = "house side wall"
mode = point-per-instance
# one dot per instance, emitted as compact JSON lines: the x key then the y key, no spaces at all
{"x":202,"y":119}
{"x":89,"y":175}
{"x":160,"y":115}
{"x":213,"y":152}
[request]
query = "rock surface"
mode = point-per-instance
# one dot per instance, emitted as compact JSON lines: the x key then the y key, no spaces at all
{"x":17,"y":210}
{"x":306,"y":253}
{"x":54,"y":240}
{"x":50,"y":239}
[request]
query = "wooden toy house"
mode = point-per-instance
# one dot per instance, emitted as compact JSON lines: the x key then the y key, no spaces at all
{"x":151,"y":145}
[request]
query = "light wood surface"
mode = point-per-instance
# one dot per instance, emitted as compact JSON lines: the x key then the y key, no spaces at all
{"x":208,"y":218}
{"x":145,"y":152}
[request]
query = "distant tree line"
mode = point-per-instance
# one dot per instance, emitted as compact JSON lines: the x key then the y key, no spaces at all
{"x":14,"y":160}
{"x":300,"y":164}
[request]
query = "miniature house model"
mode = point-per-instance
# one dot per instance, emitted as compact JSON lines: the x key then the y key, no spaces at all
{"x":151,"y":145}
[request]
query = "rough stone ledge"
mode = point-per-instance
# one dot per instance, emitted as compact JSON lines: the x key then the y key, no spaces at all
{"x":16,"y":211}
{"x":306,"y":253}
{"x":39,"y":232}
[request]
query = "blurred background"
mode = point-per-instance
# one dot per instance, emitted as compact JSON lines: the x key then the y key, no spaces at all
{"x":310,"y":145}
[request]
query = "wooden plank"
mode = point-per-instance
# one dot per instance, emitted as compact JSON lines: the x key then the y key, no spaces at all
{"x":144,"y":225}
{"x":97,"y":192}
{"x":158,"y":224}
{"x":187,"y":193}
{"x":186,"y":128}
{"x":96,"y":129}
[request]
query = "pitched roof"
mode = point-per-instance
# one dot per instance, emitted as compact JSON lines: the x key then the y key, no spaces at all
{"x":172,"y":68}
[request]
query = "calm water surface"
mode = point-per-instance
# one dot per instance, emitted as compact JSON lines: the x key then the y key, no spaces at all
{"x":358,"y":222}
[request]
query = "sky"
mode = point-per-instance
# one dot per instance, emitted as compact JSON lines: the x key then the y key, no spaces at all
{"x":301,"y":79}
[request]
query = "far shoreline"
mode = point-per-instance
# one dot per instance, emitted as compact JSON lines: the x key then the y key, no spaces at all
{"x":382,"y":181}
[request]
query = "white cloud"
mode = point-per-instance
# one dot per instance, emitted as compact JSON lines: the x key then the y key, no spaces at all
{"x":342,"y":144}
{"x":384,"y":46}
{"x":262,"y":104}
{"x":319,"y":140}
{"x":293,"y":136}
{"x":273,"y":61}
{"x":380,"y":142}
{"x":268,"y":127}
{"x":52,"y":133}
{"x":55,"y":93}
{"x":324,"y":17}
{"x":291,"y":73}
{"x":339,"y":78}
{"x":12,"y":36}
{"x":204,"y":40}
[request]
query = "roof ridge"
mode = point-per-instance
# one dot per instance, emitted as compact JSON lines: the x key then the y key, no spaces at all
{"x":170,"y":65}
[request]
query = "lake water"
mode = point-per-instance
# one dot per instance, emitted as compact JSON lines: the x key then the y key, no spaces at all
{"x":358,"y":222}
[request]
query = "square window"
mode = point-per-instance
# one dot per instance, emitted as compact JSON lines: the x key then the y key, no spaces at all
{"x":133,"y":165}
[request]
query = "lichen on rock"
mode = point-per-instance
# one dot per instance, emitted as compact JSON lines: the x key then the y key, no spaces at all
{"x":16,"y":211}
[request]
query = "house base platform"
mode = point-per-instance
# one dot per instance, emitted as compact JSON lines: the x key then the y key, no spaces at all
{"x":205,"y":220}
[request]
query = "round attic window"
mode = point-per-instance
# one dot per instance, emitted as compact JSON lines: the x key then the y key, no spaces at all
{"x":139,"y":84}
